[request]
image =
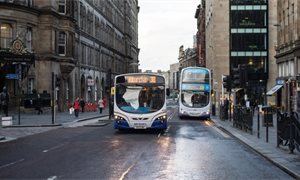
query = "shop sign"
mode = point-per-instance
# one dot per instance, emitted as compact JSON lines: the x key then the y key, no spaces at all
{"x":90,"y":82}
{"x":280,"y":81}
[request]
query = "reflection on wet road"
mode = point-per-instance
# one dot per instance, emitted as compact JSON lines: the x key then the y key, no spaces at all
{"x":188,"y":149}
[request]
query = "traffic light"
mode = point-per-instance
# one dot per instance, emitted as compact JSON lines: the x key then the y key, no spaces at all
{"x":227,"y":82}
{"x":240,"y":76}
{"x":236,"y":77}
{"x":244,"y":75}
{"x":57,"y":82}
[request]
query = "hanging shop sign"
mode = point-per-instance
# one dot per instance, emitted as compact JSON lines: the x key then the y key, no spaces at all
{"x":16,"y":54}
{"x":90,"y":82}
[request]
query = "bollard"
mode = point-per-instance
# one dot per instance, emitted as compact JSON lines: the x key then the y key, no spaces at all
{"x":291,"y":142}
{"x":258,"y":124}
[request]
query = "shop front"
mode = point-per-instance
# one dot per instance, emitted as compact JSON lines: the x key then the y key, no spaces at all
{"x":15,"y":62}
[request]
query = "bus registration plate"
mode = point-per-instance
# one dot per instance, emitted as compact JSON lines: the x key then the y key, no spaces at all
{"x":140,"y":125}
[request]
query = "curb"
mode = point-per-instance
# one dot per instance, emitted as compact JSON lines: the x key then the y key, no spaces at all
{"x":32,"y":125}
{"x":51,"y":125}
{"x":89,"y":118}
{"x":96,"y":125}
{"x":2,"y":138}
{"x":282,"y":167}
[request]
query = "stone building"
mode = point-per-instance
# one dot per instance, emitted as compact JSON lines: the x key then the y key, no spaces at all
{"x":174,"y":77}
{"x":76,"y":45}
{"x":288,"y":55}
{"x":241,"y":32}
{"x":217,"y":44}
{"x":200,"y":36}
{"x":187,"y":57}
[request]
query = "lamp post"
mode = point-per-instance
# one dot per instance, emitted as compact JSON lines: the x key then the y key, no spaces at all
{"x":133,"y":64}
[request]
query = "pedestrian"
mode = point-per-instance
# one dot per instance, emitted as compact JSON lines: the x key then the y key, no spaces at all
{"x":82,"y":104}
{"x":39,"y":104}
{"x":76,"y":107}
{"x":100,"y":105}
{"x":104,"y":102}
{"x":226,"y":108}
{"x":4,"y":98}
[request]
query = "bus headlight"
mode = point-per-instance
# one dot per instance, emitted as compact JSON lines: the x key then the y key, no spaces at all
{"x":162,"y":118}
{"x":116,"y":117}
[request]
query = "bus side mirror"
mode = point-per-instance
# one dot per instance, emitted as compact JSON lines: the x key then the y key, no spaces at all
{"x":168,"y":92}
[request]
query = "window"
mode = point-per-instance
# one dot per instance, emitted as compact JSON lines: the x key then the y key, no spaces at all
{"x":248,"y":19}
{"x":29,"y":3}
{"x":62,"y":44}
{"x":30,"y":85}
{"x":29,"y":39}
{"x":54,"y":41}
{"x":62,"y":6}
{"x":248,"y":42}
{"x":5,"y":35}
{"x":256,"y":66}
{"x":243,"y":2}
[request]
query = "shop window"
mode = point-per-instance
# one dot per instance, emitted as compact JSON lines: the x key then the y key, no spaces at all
{"x":5,"y":36}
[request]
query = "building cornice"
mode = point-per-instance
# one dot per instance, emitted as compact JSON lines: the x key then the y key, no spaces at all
{"x":17,"y":7}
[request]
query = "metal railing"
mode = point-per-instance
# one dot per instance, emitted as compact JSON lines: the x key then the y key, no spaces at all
{"x":243,"y":118}
{"x":288,"y":130}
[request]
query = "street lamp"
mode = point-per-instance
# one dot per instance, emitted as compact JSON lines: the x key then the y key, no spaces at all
{"x":133,"y":64}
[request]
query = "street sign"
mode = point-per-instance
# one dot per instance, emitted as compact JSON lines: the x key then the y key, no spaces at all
{"x":12,"y":76}
{"x":112,"y":91}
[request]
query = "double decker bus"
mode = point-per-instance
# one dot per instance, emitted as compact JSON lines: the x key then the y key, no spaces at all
{"x":195,"y":92}
{"x":140,"y":101}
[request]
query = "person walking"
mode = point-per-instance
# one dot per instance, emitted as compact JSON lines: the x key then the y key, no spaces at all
{"x":39,"y":104}
{"x":82,"y":104}
{"x":4,"y":98}
{"x":100,"y":105}
{"x":76,"y":107}
{"x":104,"y":102}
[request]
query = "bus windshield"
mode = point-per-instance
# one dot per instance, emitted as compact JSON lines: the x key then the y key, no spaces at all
{"x":195,"y":75}
{"x":140,"y":98}
{"x":194,"y":99}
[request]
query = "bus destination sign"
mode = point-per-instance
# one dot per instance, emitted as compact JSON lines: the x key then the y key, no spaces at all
{"x":141,"y":79}
{"x":195,"y":87}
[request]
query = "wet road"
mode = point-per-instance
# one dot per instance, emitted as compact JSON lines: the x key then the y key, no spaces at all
{"x":189,"y":149}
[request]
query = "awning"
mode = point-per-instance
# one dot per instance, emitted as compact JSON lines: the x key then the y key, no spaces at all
{"x":274,"y":90}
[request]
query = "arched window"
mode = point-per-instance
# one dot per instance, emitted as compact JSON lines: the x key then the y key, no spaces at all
{"x":62,"y":44}
{"x":5,"y":35}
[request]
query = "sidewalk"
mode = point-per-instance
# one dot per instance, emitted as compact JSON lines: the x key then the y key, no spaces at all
{"x":33,"y":123}
{"x":279,"y":156}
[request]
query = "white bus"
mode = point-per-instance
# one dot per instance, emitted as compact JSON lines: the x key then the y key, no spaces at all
{"x":140,"y":101}
{"x":194,"y":93}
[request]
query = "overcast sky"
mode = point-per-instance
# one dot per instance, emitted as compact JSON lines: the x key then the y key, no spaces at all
{"x":165,"y":25}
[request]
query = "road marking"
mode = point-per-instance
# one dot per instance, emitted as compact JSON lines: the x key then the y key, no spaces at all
{"x":211,"y":124}
{"x":52,"y":178}
{"x":159,"y":135}
{"x":12,"y":163}
{"x":172,"y":115}
{"x":55,"y":147}
{"x":127,"y":171}
{"x":221,"y":132}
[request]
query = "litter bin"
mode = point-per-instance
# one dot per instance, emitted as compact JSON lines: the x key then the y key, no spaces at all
{"x":268,"y":116}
